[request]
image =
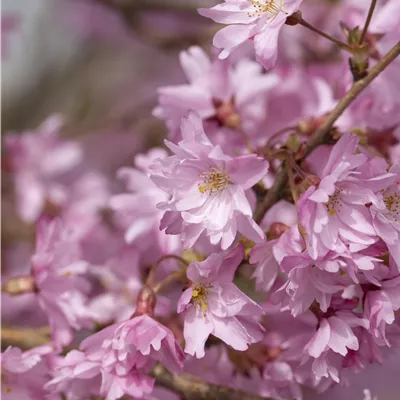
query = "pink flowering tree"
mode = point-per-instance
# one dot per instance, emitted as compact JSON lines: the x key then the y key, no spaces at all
{"x":249,"y":251}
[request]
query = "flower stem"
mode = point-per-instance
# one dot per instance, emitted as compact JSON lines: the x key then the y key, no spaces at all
{"x":174,"y":276}
{"x":271,"y":139}
{"x":339,"y":43}
{"x":367,"y":22}
{"x":152,"y":274}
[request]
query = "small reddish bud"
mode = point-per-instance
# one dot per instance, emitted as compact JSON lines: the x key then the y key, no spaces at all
{"x":226,"y":114}
{"x":313,"y":180}
{"x":294,"y":19}
{"x":276,"y":230}
{"x":146,"y":302}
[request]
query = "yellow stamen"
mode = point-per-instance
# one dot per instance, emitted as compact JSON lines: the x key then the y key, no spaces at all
{"x":199,"y":295}
{"x":214,"y":180}
{"x":264,"y":6}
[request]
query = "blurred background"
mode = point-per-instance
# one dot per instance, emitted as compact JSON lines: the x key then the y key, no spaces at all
{"x":98,"y":62}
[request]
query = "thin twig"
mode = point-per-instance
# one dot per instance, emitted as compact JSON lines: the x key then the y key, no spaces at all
{"x":25,"y":338}
{"x":271,"y":139}
{"x":191,"y":388}
{"x":321,"y":135}
{"x":152,"y":274}
{"x":174,"y":276}
{"x":340,"y":44}
{"x":367,"y":22}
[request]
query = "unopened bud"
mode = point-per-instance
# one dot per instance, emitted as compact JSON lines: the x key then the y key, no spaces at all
{"x":226,"y":114}
{"x":294,"y":19}
{"x":358,"y":67}
{"x":276,"y":230}
{"x":146,"y":302}
{"x":313,"y":180}
{"x":19,"y":285}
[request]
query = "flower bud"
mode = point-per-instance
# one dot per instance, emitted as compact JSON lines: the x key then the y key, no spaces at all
{"x":146,"y":302}
{"x":294,"y":19}
{"x":226,"y":114}
{"x":276,"y":230}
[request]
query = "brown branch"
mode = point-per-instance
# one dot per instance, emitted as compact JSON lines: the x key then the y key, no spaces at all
{"x":367,"y":22}
{"x":321,"y":135}
{"x":24,"y":338}
{"x":191,"y":388}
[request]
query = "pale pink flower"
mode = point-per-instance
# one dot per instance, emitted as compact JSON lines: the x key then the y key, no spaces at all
{"x":120,"y":353}
{"x":75,"y":376}
{"x":260,"y":21}
{"x":56,"y":269}
{"x":334,"y":214}
{"x":262,"y":254}
{"x":226,"y":96}
{"x":38,"y":159}
{"x":24,"y":374}
{"x":334,"y":335}
{"x":306,"y":285}
{"x":214,"y":305}
{"x":137,"y":211}
{"x":310,"y":280}
{"x":386,"y":214}
{"x":207,"y":189}
{"x":267,"y":268}
{"x":380,"y":306}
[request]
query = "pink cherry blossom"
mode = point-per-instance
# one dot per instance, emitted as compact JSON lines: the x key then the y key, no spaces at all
{"x":38,"y":160}
{"x":334,"y":214}
{"x":214,"y":305}
{"x":380,"y":306}
{"x":24,"y":374}
{"x":260,"y":21}
{"x":208,"y":188}
{"x":386,"y":214}
{"x":74,"y":376}
{"x":120,"y":353}
{"x":138,"y":210}
{"x":227,"y":97}
{"x":61,"y":291}
{"x":267,"y":267}
{"x":334,"y":337}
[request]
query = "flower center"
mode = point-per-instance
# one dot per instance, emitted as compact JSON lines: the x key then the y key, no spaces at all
{"x":214,"y":180}
{"x":263,"y":6}
{"x":335,"y":202}
{"x":199,"y":295}
{"x":392,"y":202}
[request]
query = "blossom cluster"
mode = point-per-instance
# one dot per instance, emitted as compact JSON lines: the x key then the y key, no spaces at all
{"x":177,"y":259}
